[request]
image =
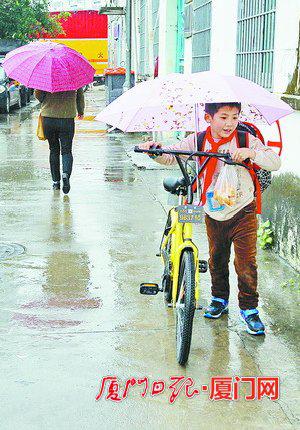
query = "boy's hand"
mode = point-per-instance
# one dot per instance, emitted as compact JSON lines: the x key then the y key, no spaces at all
{"x":149,"y":145}
{"x":242,"y":154}
{"x":79,"y":116}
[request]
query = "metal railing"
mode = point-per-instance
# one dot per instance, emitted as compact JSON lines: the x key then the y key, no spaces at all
{"x":255,"y":41}
{"x":201,"y":35}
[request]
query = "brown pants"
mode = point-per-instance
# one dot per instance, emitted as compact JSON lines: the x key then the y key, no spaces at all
{"x":242,"y":231}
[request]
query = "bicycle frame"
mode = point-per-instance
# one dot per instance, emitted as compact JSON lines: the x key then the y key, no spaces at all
{"x":181,"y":238}
{"x":180,"y":234}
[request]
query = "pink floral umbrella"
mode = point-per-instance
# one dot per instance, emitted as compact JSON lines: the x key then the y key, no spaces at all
{"x":176,"y":102}
{"x":48,"y":66}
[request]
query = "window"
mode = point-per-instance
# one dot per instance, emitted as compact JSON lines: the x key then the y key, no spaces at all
{"x":255,"y":41}
{"x":201,"y":35}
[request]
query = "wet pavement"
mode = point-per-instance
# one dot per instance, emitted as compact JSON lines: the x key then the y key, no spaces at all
{"x":71,"y":312}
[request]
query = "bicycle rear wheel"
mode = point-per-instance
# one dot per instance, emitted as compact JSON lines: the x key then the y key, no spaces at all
{"x":185,"y":306}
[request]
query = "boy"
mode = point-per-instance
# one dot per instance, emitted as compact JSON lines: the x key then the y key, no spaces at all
{"x":236,"y":224}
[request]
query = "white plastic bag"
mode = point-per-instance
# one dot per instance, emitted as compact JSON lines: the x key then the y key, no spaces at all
{"x":225,"y":191}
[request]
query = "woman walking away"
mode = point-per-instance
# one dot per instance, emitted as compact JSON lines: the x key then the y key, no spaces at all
{"x":58,"y":111}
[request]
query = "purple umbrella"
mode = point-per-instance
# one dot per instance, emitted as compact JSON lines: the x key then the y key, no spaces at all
{"x":48,"y":66}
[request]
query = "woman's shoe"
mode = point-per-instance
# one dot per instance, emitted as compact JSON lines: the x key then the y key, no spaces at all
{"x":56,"y":185}
{"x":66,"y":183}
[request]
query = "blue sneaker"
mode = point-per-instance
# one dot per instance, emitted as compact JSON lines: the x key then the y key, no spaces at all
{"x":217,"y":308}
{"x":250,"y":318}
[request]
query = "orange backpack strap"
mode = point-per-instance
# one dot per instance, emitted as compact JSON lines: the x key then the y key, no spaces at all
{"x":257,"y":131}
{"x":257,"y":189}
{"x":277,"y":144}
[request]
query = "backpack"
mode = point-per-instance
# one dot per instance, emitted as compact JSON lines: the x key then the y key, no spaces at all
{"x":264,"y":177}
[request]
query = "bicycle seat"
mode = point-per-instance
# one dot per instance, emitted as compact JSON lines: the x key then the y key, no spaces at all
{"x":173,"y":185}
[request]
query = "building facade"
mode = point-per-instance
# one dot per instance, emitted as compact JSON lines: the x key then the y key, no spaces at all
{"x":255,"y":39}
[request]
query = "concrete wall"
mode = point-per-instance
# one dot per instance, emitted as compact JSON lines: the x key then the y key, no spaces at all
{"x":286,"y":42}
{"x":188,"y":55}
{"x":281,"y":205}
{"x":223,"y":36}
{"x":167,"y":36}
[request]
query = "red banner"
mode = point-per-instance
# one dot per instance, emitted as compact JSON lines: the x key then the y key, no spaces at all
{"x":83,"y":24}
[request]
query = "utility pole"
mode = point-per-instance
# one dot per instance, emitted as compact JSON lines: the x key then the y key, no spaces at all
{"x":127,"y":83}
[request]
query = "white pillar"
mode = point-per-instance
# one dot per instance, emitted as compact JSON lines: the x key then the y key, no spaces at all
{"x":188,"y":55}
{"x":223,"y":36}
{"x":167,"y":36}
{"x":286,"y":43}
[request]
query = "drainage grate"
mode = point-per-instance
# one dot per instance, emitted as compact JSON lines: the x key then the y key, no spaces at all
{"x":9,"y":250}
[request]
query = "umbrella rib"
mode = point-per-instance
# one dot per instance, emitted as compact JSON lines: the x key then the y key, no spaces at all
{"x":53,"y":84}
{"x":135,"y":114}
{"x":12,"y":72}
{"x":34,"y":69}
{"x":65,"y":64}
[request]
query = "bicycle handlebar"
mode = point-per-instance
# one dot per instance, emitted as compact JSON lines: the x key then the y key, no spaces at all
{"x":226,"y":158}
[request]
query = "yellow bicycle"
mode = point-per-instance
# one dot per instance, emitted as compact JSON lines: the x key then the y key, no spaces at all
{"x":180,"y":279}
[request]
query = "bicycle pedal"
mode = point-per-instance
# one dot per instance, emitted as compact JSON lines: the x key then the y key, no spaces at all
{"x":203,"y":266}
{"x":149,"y":289}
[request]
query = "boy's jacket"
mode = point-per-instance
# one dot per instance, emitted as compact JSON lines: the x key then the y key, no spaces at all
{"x":265,"y":158}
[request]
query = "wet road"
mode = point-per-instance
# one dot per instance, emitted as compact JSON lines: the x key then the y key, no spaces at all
{"x":70,"y":308}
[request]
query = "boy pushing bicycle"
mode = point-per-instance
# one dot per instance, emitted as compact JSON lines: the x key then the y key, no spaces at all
{"x":227,"y":224}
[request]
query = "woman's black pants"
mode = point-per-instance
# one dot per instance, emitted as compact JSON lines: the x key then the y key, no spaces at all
{"x":59,"y":132}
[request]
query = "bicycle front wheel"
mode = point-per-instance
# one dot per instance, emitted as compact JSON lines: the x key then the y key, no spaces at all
{"x":185,"y":306}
